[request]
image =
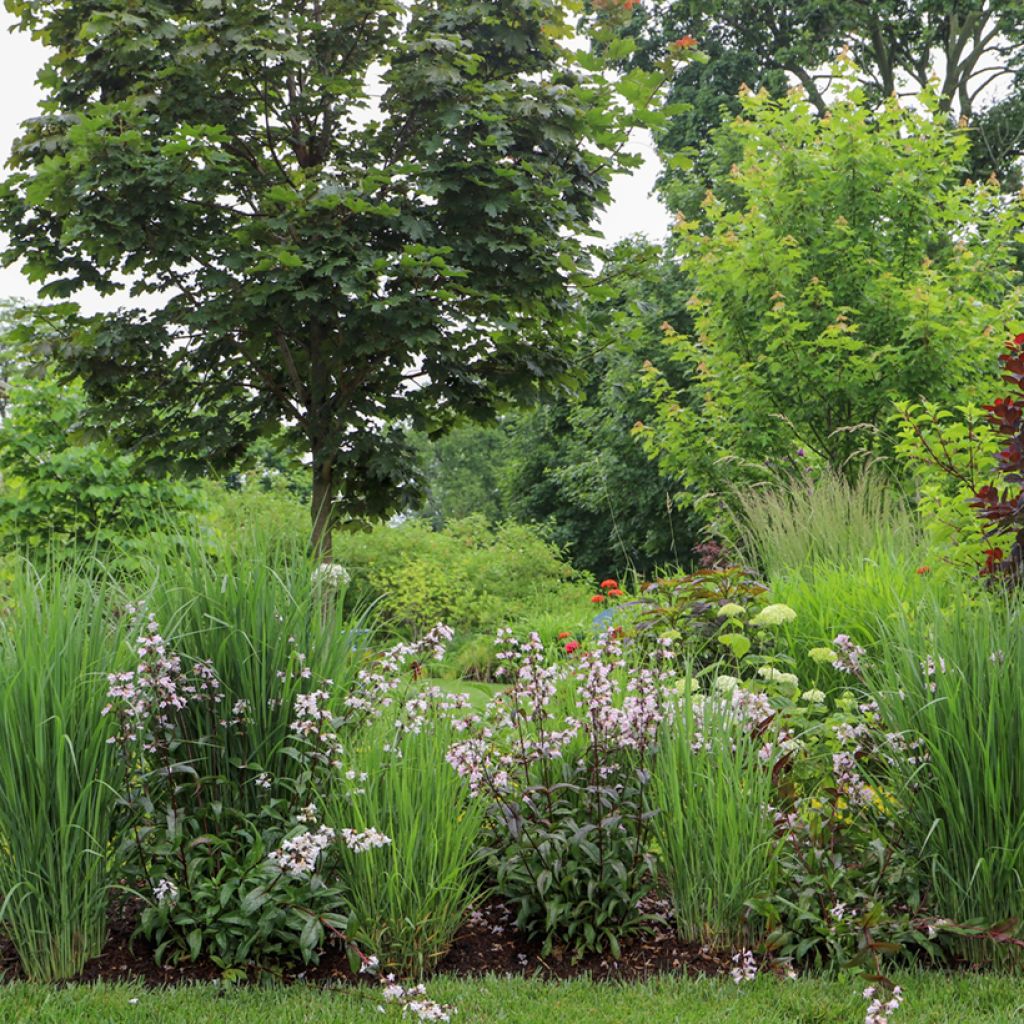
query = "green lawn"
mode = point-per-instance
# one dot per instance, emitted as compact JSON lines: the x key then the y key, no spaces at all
{"x":930,"y":999}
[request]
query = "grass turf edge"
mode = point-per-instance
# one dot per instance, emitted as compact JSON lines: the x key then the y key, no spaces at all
{"x":931,"y":998}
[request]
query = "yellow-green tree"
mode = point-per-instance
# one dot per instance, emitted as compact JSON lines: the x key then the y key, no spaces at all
{"x":852,"y":267}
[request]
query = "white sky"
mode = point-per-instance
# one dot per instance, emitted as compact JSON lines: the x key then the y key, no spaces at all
{"x":633,"y":209}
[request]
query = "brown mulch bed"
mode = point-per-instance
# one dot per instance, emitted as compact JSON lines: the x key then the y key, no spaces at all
{"x":488,"y":943}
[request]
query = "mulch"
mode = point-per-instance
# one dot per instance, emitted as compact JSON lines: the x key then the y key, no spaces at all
{"x":488,"y":943}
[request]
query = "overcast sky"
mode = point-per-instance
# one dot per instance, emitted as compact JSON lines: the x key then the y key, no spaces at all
{"x":633,"y":209}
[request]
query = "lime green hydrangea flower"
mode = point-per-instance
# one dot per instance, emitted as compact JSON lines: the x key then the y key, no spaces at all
{"x":732,"y":611}
{"x":814,"y":696}
{"x":773,"y":675}
{"x":773,"y":615}
{"x":822,"y":655}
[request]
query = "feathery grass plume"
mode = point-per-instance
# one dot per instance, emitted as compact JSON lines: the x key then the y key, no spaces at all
{"x":798,"y":521}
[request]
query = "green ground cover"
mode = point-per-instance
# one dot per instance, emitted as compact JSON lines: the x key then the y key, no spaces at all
{"x":930,"y":999}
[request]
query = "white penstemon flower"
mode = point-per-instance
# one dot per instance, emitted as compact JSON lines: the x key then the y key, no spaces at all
{"x":308,"y":815}
{"x":165,"y":892}
{"x":745,"y":966}
{"x":360,"y":842}
{"x":847,"y":655}
{"x":298,"y":856}
{"x":879,"y":1011}
{"x":414,"y":1000}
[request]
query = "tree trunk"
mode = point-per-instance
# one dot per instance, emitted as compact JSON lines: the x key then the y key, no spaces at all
{"x":323,"y":508}
{"x":321,"y":422}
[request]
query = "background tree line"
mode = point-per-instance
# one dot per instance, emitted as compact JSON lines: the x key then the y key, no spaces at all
{"x":357,"y":302}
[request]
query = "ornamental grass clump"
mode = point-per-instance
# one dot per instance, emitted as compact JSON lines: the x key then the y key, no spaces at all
{"x":58,"y":774}
{"x":568,"y":793}
{"x":824,"y":517}
{"x":778,"y":822}
{"x":951,"y":679}
{"x":243,"y":887}
{"x":252,"y":607}
{"x":236,"y":862}
{"x":407,"y":899}
{"x":713,"y":786}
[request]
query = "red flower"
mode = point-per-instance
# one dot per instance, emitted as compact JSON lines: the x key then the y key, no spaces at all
{"x":572,"y":645}
{"x":683,"y":43}
{"x":609,"y":583}
{"x":1019,"y":341}
{"x":923,"y":570}
{"x":564,"y":636}
{"x":615,"y":592}
{"x":597,"y":599}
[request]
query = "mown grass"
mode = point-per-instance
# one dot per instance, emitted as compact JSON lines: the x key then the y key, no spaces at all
{"x":930,"y":999}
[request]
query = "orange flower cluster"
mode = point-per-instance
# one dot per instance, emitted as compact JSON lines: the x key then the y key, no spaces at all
{"x":610,"y":588}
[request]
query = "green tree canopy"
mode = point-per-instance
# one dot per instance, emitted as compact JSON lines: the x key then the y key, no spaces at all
{"x":572,"y":464}
{"x":972,"y":49}
{"x":849,"y":270}
{"x":350,"y":217}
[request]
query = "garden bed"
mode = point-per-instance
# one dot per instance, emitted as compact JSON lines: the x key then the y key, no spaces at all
{"x":488,"y":943}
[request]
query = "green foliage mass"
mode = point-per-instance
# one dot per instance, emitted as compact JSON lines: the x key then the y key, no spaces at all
{"x":950,"y":456}
{"x":572,"y":465}
{"x":470,"y":575}
{"x":968,"y":49}
{"x":65,"y":484}
{"x":855,"y":272}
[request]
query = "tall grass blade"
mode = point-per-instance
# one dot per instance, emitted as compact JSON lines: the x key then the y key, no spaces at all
{"x":58,"y":775}
{"x":408,"y":899}
{"x":713,"y":828}
{"x":953,"y":677}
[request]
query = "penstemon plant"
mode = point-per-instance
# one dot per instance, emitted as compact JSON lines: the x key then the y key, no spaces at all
{"x":568,"y":792}
{"x":248,"y":888}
